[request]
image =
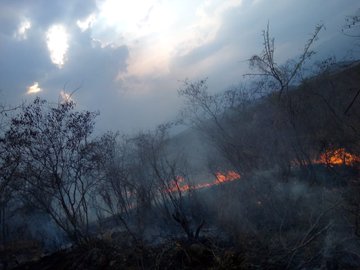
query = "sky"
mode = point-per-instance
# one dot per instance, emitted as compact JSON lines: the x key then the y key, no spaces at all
{"x":127,"y":59}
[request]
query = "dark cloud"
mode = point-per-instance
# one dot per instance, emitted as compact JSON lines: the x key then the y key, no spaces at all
{"x":291,"y":24}
{"x":27,"y":60}
{"x":23,"y":62}
{"x":91,"y":63}
{"x":93,"y":66}
{"x":44,"y":13}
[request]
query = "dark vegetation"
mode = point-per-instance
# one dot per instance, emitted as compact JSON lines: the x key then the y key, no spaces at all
{"x":72,"y":200}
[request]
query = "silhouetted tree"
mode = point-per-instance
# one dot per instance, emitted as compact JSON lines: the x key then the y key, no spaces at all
{"x":172,"y":191}
{"x":279,"y":77}
{"x":352,"y":24}
{"x":56,"y":164}
{"x":8,"y":167}
{"x":117,"y":191}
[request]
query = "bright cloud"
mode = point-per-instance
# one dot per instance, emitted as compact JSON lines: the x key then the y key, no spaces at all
{"x":65,"y":97}
{"x":147,"y":29}
{"x":33,"y":89}
{"x":57,"y":43}
{"x":136,"y":18}
{"x":21,"y":32}
{"x":86,"y":23}
{"x":149,"y":46}
{"x":155,"y":46}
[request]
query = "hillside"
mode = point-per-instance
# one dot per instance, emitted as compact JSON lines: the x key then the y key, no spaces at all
{"x":323,"y":108}
{"x":274,"y":185}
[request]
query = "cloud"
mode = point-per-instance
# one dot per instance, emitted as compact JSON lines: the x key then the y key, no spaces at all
{"x":22,"y":30}
{"x":80,"y":57}
{"x":57,"y":41}
{"x":196,"y":26}
{"x":65,"y":97}
{"x":86,"y":23}
{"x":127,"y":60}
{"x":33,"y":89}
{"x":25,"y":61}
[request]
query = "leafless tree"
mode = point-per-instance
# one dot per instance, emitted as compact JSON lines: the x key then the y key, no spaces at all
{"x":172,"y":190}
{"x":217,"y":117}
{"x":352,"y":24}
{"x":7,"y":170}
{"x":117,"y":191}
{"x":56,"y":164}
{"x":280,"y":77}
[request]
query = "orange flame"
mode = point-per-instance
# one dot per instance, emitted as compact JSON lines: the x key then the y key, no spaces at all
{"x":179,"y":183}
{"x":337,"y":157}
{"x":228,"y":177}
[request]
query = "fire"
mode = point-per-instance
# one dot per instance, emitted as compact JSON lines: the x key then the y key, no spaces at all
{"x":329,"y":157}
{"x":228,"y":177}
{"x":220,"y":178}
{"x":338,"y":157}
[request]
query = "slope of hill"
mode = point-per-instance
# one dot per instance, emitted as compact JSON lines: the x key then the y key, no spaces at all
{"x":296,"y":202}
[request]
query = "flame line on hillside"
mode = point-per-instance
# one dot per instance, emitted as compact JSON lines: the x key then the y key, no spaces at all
{"x":337,"y":157}
{"x":221,"y":177}
{"x":329,"y":157}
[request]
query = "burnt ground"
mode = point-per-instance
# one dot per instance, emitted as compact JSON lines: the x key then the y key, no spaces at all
{"x":174,"y":254}
{"x":181,"y":253}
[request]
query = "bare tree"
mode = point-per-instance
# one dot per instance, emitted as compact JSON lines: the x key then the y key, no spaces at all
{"x":56,"y":162}
{"x":280,"y":77}
{"x":117,"y":191}
{"x":352,"y":24}
{"x":8,"y":167}
{"x":172,"y":195}
{"x":223,"y":120}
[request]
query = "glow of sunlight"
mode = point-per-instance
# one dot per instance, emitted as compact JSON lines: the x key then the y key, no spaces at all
{"x":21,"y":32}
{"x":86,"y":23}
{"x":57,"y":41}
{"x":33,"y":89}
{"x":187,"y":29}
{"x":147,"y":60}
{"x":136,"y":18}
{"x":65,"y":97}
